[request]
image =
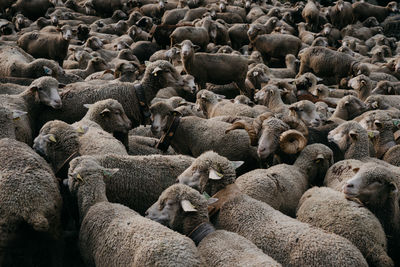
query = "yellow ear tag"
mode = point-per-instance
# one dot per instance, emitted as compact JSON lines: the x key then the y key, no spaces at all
{"x":17,"y":119}
{"x":155,"y":73}
{"x":371,"y":135}
{"x":80,"y":130}
{"x":52,"y":139}
{"x":79,"y":178}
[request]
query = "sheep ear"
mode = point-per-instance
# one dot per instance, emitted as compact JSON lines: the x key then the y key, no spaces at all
{"x":87,"y":105}
{"x":17,"y":114}
{"x":214,"y":175}
{"x":196,"y":48}
{"x":393,"y":188}
{"x":34,"y":89}
{"x":378,"y":123}
{"x":353,"y":134}
{"x":355,"y":170}
{"x":318,"y":158}
{"x":237,"y":164}
{"x":396,"y":123}
{"x":82,"y":129}
{"x":176,"y":113}
{"x":105,"y":111}
{"x":178,"y":46}
{"x":61,"y":85}
{"x":147,"y":63}
{"x":211,"y":200}
{"x":221,"y":96}
{"x":108,"y":173}
{"x":187,"y":206}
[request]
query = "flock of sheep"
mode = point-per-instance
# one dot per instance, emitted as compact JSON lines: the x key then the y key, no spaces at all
{"x":199,"y":133}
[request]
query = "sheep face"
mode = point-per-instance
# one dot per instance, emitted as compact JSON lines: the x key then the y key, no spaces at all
{"x":162,"y":115}
{"x":375,"y":120}
{"x":268,"y":142}
{"x":306,"y":111}
{"x":384,"y":88}
{"x":345,"y":134}
{"x":46,"y":89}
{"x":372,"y":185}
{"x":187,"y":49}
{"x":209,"y":173}
{"x":94,"y":43}
{"x":190,"y":85}
{"x":180,"y":208}
{"x":66,"y":32}
{"x":163,"y":73}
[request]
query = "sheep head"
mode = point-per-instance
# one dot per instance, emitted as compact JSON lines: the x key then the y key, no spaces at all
{"x":161,"y":74}
{"x":162,"y":115}
{"x":110,"y":115}
{"x":210,"y":173}
{"x":373,"y":185}
{"x":180,"y":208}
{"x":307,"y":112}
{"x":46,"y":91}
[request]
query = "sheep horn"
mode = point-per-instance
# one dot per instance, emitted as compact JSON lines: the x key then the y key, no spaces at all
{"x":296,"y":124}
{"x":251,"y":131}
{"x":292,"y":141}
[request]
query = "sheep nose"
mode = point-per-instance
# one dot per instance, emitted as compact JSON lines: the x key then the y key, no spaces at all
{"x":177,"y":181}
{"x":349,"y":185}
{"x":146,"y":213}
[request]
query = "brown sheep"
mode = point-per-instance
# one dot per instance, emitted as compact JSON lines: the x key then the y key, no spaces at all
{"x":325,"y":62}
{"x":275,"y":45}
{"x":341,"y":14}
{"x":214,"y":68}
{"x":310,"y":14}
{"x":364,"y":10}
{"x":46,"y":45}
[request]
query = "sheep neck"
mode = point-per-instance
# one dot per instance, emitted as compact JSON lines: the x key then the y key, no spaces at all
{"x":359,"y":149}
{"x":383,"y":142}
{"x":151,"y":86}
{"x":364,"y":92}
{"x":200,"y":232}
{"x":31,"y":100}
{"x":89,"y":195}
{"x":340,"y":113}
{"x":275,"y":102}
{"x":306,"y":166}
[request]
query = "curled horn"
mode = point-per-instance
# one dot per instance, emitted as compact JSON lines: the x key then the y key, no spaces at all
{"x":292,"y":141}
{"x":296,"y":124}
{"x":251,"y":131}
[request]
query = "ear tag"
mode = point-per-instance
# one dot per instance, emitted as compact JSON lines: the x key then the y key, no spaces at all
{"x":80,"y":130}
{"x":371,"y":135}
{"x":52,"y":139}
{"x":207,"y":196}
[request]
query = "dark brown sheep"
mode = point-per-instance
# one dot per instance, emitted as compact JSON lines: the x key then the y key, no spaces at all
{"x":364,"y":10}
{"x":214,"y":68}
{"x":47,"y":45}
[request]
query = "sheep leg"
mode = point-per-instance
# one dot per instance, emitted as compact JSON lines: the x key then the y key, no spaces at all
{"x":303,"y":69}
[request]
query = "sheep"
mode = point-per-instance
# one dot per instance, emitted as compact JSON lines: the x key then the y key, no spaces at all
{"x":104,"y":7}
{"x":31,"y":9}
{"x":274,"y":45}
{"x":384,"y":144}
{"x":213,"y":106}
{"x":144,"y":49}
{"x":363,"y":10}
{"x":290,"y":70}
{"x":294,"y":244}
{"x":170,"y":55}
{"x":281,"y":186}
{"x":154,"y":10}
{"x":186,"y":212}
{"x":238,"y":35}
{"x":274,"y":137}
{"x":362,"y":85}
{"x":106,"y":227}
{"x":328,"y":209}
{"x":217,"y":69}
{"x":310,"y":14}
{"x":193,"y":135}
{"x":307,"y":112}
{"x":95,"y":64}
{"x":375,"y":101}
{"x":15,"y":62}
{"x":141,"y":145}
{"x":270,"y":97}
{"x":376,"y":187}
{"x":59,"y":143}
{"x":29,"y":197}
{"x":41,"y":92}
{"x":158,"y":74}
{"x":386,"y":88}
{"x":362,"y":33}
{"x":341,"y":14}
{"x":325,"y":62}
{"x":197,"y":35}
{"x":306,"y":37}
{"x":47,"y":45}
{"x":6,"y":119}
{"x":172,"y":17}
{"x":348,"y":108}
